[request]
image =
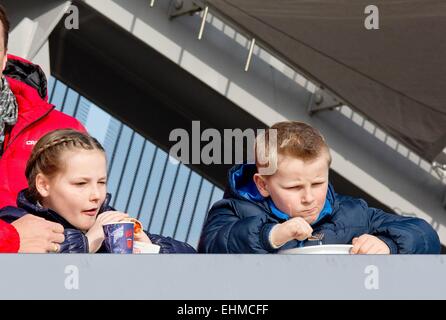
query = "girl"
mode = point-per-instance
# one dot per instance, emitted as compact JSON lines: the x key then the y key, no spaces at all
{"x":66,"y":175}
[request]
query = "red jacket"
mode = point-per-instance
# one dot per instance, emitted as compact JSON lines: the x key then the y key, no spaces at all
{"x":9,"y":238}
{"x":36,"y":118}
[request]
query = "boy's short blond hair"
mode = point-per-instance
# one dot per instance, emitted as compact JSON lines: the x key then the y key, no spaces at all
{"x":293,"y":138}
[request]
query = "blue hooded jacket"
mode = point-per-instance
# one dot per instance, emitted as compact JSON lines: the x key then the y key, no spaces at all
{"x":75,"y":240}
{"x":242,"y":220}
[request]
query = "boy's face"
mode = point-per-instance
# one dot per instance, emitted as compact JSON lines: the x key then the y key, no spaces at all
{"x":298,"y":188}
{"x":78,"y":191}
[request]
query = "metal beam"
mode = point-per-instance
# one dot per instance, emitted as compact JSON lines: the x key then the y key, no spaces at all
{"x":203,"y":23}
{"x":322,"y":100}
{"x":251,"y":50}
{"x":179,"y":8}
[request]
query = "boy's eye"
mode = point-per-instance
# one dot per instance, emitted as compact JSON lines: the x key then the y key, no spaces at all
{"x":80,"y":183}
{"x":101,"y":182}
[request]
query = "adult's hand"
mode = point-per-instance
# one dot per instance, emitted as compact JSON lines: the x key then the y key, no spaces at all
{"x":38,"y":235}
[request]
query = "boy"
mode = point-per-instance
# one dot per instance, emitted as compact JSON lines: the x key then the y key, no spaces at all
{"x":266,"y":213}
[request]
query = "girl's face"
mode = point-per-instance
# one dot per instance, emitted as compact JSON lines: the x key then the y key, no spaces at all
{"x":78,"y":191}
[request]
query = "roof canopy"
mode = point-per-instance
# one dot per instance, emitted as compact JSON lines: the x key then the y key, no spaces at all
{"x":395,"y":75}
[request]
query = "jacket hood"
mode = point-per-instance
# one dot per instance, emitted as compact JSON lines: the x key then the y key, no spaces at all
{"x":28,"y":83}
{"x":25,"y":71}
{"x":241,"y":185}
{"x":33,"y":208}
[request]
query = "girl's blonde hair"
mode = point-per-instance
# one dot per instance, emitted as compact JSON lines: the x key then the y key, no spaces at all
{"x":47,"y":153}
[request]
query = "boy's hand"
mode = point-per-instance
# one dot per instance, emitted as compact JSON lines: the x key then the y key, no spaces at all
{"x":295,"y":228}
{"x":368,"y":244}
{"x":96,"y":234}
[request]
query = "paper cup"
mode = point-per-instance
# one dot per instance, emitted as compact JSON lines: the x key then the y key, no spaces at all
{"x":119,"y":237}
{"x":137,"y":225}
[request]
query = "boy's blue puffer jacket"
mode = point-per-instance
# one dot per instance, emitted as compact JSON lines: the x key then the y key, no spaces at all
{"x":242,"y":220}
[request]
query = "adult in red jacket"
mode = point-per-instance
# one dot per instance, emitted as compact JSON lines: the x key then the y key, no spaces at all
{"x":25,"y":116}
{"x":36,"y":117}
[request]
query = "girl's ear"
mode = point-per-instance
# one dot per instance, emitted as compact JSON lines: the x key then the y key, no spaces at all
{"x":43,"y":185}
{"x":261,"y":184}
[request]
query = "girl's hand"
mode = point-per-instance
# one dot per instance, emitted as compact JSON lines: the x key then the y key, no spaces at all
{"x":142,"y":237}
{"x":96,"y":235}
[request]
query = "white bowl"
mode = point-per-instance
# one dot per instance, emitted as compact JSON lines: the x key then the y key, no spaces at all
{"x":322,"y":249}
